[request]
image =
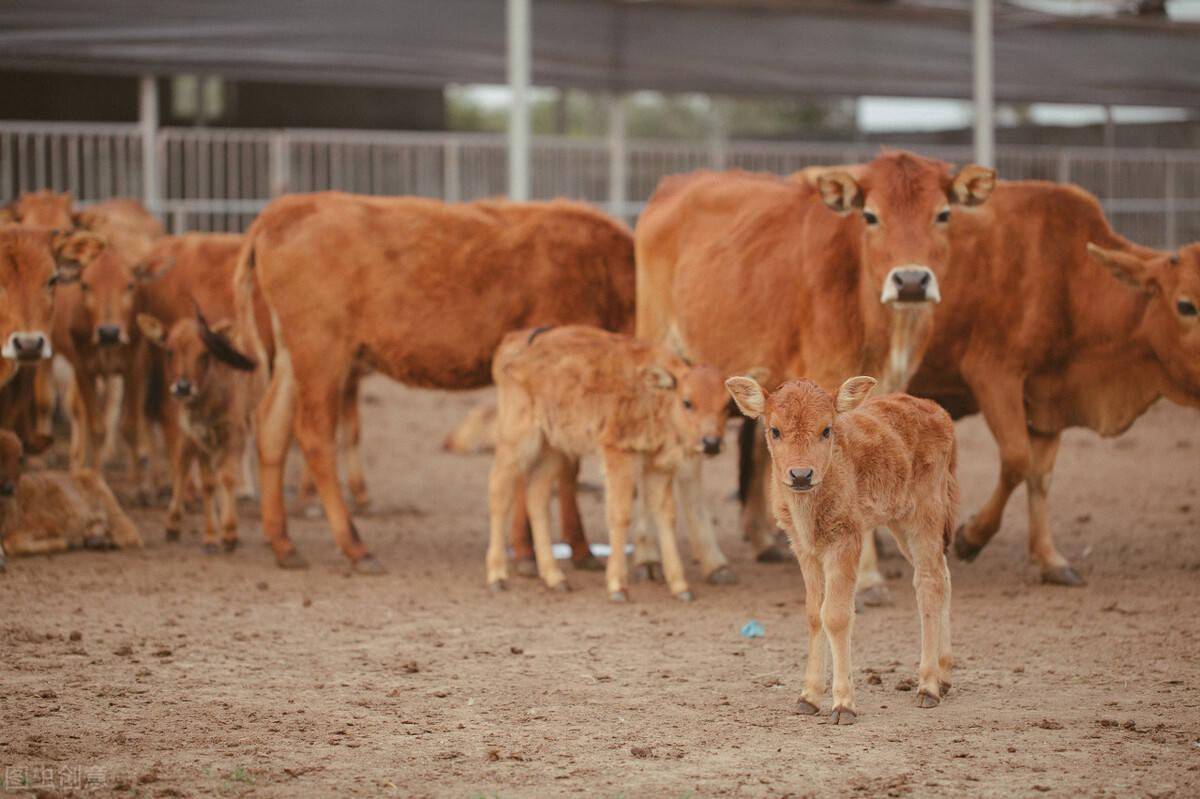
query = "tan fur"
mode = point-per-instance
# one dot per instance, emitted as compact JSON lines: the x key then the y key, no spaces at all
{"x":45,"y":209}
{"x":575,"y":390}
{"x":840,"y":468}
{"x":476,"y":433}
{"x":55,"y":511}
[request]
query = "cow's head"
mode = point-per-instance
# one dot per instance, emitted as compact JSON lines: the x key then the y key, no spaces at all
{"x":801,"y":422}
{"x":193,"y":351}
{"x":46,"y":209}
{"x":905,"y":203}
{"x":108,"y":298}
{"x":1171,"y":322}
{"x":12,"y":461}
{"x":699,"y":406}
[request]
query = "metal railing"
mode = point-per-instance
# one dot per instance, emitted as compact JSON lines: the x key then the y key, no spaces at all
{"x":218,"y":179}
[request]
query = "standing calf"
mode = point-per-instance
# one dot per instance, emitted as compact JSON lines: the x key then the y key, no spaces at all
{"x":45,"y":512}
{"x":847,"y":469}
{"x":565,"y":392}
{"x":213,"y":418}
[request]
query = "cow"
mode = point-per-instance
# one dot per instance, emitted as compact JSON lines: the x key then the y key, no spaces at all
{"x":125,"y":225}
{"x":841,"y":466}
{"x":1053,"y":321}
{"x":206,"y":375}
{"x":50,"y":511}
{"x":569,"y":391}
{"x":828,"y":278}
{"x":46,"y":209}
{"x":418,"y":290}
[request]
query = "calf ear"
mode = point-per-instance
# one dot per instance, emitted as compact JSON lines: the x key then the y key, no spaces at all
{"x":222,"y":348}
{"x":1130,"y":269}
{"x":658,"y":378}
{"x":748,"y":394}
{"x":152,"y":328}
{"x":972,"y":185}
{"x":853,"y":392}
{"x":840,"y":191}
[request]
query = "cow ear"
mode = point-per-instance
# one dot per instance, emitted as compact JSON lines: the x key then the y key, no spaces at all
{"x":73,"y":250}
{"x":853,"y":392}
{"x":657,"y":378}
{"x":750,"y":397}
{"x":840,"y":191}
{"x":153,"y":268}
{"x":972,"y":185}
{"x":152,"y":328}
{"x":1128,"y":268}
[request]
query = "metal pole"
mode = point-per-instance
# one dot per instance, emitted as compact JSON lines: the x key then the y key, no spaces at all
{"x":981,"y":30}
{"x":519,"y":58}
{"x":617,"y":163}
{"x":148,"y":127}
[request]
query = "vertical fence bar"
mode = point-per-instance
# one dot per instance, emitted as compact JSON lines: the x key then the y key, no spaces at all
{"x":1169,"y":203}
{"x":148,"y":127}
{"x":618,"y":170}
{"x":985,"y":134}
{"x":452,"y":171}
{"x":280,"y":165}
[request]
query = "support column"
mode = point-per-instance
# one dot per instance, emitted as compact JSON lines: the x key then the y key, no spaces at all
{"x":618,"y":170}
{"x":519,"y":61}
{"x":981,"y":31}
{"x":148,"y":128}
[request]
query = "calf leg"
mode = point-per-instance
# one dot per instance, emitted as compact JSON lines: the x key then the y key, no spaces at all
{"x":660,"y":499}
{"x":1056,"y":569}
{"x":273,"y":422}
{"x":181,"y":467}
{"x":758,"y":525}
{"x":814,"y":672}
{"x":931,"y":580}
{"x":121,"y":531}
{"x":539,"y":483}
{"x":520,"y":533}
{"x":620,"y":483}
{"x":697,"y":517}
{"x":837,"y":617}
{"x":226,"y":486}
{"x":572,"y":522}
{"x":504,"y":482}
{"x":28,"y":541}
{"x":207,"y":489}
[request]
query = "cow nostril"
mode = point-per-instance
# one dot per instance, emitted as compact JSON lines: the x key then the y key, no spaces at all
{"x":925,"y":278}
{"x":712,"y":445}
{"x":898,"y":278}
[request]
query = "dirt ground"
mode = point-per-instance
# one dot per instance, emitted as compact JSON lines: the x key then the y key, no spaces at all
{"x":167,"y":672}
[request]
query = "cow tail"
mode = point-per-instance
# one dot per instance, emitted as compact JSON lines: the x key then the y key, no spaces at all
{"x":245,"y":284}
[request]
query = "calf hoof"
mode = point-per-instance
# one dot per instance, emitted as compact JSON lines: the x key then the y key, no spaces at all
{"x":526,"y":568}
{"x":685,"y":596}
{"x":172,"y":535}
{"x":97,"y":542}
{"x":211,"y":549}
{"x":1063,"y":575}
{"x":650,"y":572}
{"x":964,"y":549}
{"x":498,"y":586}
{"x":844,"y":716}
{"x":772,"y":554}
{"x":877,"y":596}
{"x":369,"y":565}
{"x":618,"y":596}
{"x":806,"y":708}
{"x":561,"y":588}
{"x":588,"y":563}
{"x":926,"y":699}
{"x":722,"y":576}
{"x":943,"y":688}
{"x":229,"y":545}
{"x":292,"y":560}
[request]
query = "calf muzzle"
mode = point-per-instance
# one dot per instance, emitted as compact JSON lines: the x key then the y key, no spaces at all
{"x":910,"y":284}
{"x":800,"y":479}
{"x":183,"y":389}
{"x":711,"y":445}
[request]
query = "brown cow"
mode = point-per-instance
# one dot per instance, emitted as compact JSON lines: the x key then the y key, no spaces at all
{"x":206,"y":377}
{"x":125,"y":225}
{"x":841,"y":467}
{"x":566,"y":392}
{"x":46,"y":209}
{"x":46,"y":511}
{"x":829,"y":280}
{"x":416,"y":289}
{"x":1039,"y":336}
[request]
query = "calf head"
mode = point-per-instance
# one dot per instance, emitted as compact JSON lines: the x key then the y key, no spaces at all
{"x":801,"y":424}
{"x":190,"y":348}
{"x":45,"y":209}
{"x":12,"y":460}
{"x":904,"y":202}
{"x":1171,"y":320}
{"x":699,"y":406}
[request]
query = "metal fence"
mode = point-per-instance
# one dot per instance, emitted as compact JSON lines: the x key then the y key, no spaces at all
{"x":218,"y":179}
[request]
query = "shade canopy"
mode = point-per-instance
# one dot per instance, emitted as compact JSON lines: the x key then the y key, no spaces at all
{"x":805,"y":47}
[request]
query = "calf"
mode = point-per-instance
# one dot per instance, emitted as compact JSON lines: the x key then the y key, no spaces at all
{"x":54,"y":511}
{"x":568,"y":391}
{"x":213,"y":418}
{"x":840,"y":468}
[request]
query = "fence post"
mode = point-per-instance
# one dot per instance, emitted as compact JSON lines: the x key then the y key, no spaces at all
{"x":1064,"y":166}
{"x":1169,"y":190}
{"x":280,"y":178}
{"x":148,"y":127}
{"x":618,"y":171}
{"x":718,"y":142}
{"x":451,"y":171}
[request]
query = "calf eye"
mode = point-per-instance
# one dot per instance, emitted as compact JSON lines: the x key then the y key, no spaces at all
{"x":870,"y":217}
{"x":687,"y":403}
{"x":1186,"y":308}
{"x":775,"y":432}
{"x":826,"y":432}
{"x":943,"y":215}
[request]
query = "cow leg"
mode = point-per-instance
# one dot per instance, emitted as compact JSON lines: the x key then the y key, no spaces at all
{"x":931,"y":581}
{"x":814,"y":671}
{"x":620,"y":483}
{"x":133,"y":431}
{"x":837,"y":617}
{"x":697,"y":517}
{"x":504,"y":482}
{"x":273,"y":422}
{"x":181,"y":469}
{"x":226,"y":486}
{"x":113,"y":400}
{"x":521,"y":534}
{"x":1056,"y":569}
{"x":350,"y":439}
{"x":43,"y":401}
{"x":758,"y":525}
{"x":660,"y":499}
{"x":207,"y":489}
{"x":539,"y":483}
{"x":83,"y":406}
{"x":306,"y":496}
{"x":572,"y":523}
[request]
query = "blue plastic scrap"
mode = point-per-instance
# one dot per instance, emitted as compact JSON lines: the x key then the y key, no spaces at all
{"x":753,"y":629}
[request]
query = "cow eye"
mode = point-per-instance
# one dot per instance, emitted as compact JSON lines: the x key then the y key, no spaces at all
{"x":943,"y":215}
{"x":687,"y":403}
{"x":1186,"y":308}
{"x":775,"y":432}
{"x":826,"y":432}
{"x":870,"y":217}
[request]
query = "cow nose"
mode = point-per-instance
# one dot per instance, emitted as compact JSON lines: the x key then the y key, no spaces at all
{"x":28,"y":346}
{"x":911,"y":284}
{"x":182,"y":387}
{"x":712,"y":445}
{"x":7,"y":488}
{"x":108,"y":335}
{"x":801,"y":478}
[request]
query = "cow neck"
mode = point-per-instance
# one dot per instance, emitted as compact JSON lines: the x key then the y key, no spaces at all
{"x":911,"y":326}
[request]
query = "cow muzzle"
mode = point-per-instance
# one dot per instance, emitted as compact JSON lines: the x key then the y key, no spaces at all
{"x":182,"y":389}
{"x":801,"y":479}
{"x":26,"y":346}
{"x":109,"y":335}
{"x":711,"y":445}
{"x":910,"y":284}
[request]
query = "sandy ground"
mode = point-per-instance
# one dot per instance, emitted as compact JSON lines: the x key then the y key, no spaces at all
{"x":167,"y":672}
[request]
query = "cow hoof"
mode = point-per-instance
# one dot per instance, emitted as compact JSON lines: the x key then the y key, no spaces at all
{"x":211,"y":549}
{"x":1063,"y":575}
{"x":229,"y":546}
{"x":926,"y":699}
{"x":498,"y":586}
{"x":650,"y":572}
{"x":173,"y":536}
{"x":618,"y":596}
{"x":588,"y":563}
{"x":369,"y":565}
{"x":964,"y":549}
{"x":561,"y":588}
{"x":877,"y":596}
{"x":292,"y":560}
{"x":722,"y":576}
{"x":525,"y":568}
{"x":806,"y":708}
{"x":685,"y":596}
{"x":844,"y":716}
{"x":772,"y":554}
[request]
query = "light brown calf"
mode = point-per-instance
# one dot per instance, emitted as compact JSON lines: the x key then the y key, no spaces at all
{"x":569,"y":391}
{"x":206,"y":375}
{"x":841,"y":467}
{"x":46,"y":512}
